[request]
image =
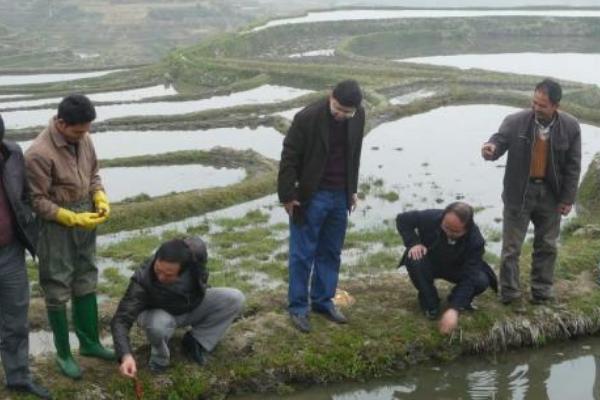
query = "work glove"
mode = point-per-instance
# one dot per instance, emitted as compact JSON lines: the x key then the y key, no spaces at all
{"x":85,"y":220}
{"x":101,"y":203}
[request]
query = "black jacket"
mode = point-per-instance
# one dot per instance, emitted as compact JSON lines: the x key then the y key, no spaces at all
{"x":423,"y":227}
{"x":516,"y":135}
{"x":305,"y":150}
{"x":145,"y":292}
{"x":13,"y":178}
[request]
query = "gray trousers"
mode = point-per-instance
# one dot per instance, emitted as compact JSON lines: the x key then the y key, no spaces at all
{"x":541,"y":208}
{"x":14,"y":306}
{"x":209,"y":322}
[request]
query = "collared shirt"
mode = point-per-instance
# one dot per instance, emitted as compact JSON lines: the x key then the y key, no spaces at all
{"x":60,"y":173}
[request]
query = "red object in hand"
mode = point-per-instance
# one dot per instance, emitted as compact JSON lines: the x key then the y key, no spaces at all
{"x":139,"y":388}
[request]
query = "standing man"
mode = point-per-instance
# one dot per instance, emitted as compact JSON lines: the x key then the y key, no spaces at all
{"x":169,"y":291}
{"x":540,"y":184}
{"x":445,"y":244}
{"x":17,"y":233}
{"x":317,"y":184}
{"x":69,"y":199}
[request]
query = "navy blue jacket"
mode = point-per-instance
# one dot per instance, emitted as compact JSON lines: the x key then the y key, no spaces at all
{"x":423,"y":227}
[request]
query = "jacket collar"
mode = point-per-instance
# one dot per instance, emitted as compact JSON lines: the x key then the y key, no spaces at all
{"x":57,"y":138}
{"x":353,"y":126}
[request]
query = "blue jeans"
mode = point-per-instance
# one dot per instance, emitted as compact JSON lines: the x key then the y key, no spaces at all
{"x":315,"y":246}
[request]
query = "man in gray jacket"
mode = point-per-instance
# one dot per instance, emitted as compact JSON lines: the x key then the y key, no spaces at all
{"x":17,"y":233}
{"x":540,"y":185}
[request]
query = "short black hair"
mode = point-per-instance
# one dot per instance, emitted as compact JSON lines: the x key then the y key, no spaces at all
{"x":175,"y":251}
{"x":348,"y":93}
{"x":552,"y":89}
{"x":1,"y":129}
{"x":76,"y":109}
{"x":463,"y":211}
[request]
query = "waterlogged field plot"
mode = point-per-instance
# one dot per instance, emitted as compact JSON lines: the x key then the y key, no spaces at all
{"x":116,"y":96}
{"x":261,"y":95}
{"x":30,"y":79}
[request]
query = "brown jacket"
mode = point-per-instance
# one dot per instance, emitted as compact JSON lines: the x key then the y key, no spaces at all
{"x":56,"y":175}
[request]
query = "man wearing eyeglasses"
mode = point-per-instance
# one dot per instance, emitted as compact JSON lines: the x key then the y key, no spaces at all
{"x":317,"y":185}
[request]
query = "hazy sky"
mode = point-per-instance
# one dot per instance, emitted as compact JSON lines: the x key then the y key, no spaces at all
{"x":474,"y":3}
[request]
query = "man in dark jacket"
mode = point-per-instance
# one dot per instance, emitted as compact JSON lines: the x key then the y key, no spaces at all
{"x":445,"y":244}
{"x":17,"y":233}
{"x":317,"y":185}
{"x":540,"y":185}
{"x":171,"y":291}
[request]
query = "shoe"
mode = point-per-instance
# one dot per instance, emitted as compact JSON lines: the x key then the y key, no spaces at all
{"x":333,"y":314}
{"x":469,"y":307}
{"x":543,"y":301}
{"x":85,"y":320}
{"x":60,"y":331}
{"x":157,"y":369}
{"x":300,"y":322}
{"x":31,"y":388}
{"x":516,"y":303}
{"x":432,"y":313}
{"x":192,"y":349}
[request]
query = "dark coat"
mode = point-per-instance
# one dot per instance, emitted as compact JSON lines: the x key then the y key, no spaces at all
{"x":305,"y":150}
{"x":424,"y":227}
{"x":18,"y":194}
{"x":516,"y":135}
{"x":145,"y":292}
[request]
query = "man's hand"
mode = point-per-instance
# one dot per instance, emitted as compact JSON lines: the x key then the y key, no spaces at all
{"x":449,"y":321}
{"x":417,"y":252}
{"x":289,"y":207}
{"x":564,"y":209}
{"x":488,"y":150}
{"x":354,"y":202}
{"x":128,"y":367}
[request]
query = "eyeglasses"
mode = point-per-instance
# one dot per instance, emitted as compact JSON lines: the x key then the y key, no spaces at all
{"x":336,"y":108}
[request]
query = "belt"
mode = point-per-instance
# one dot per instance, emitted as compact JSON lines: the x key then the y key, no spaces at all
{"x":536,"y":180}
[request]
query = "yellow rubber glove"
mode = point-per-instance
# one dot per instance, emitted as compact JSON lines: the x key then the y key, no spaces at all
{"x":85,"y":220}
{"x":101,"y":203}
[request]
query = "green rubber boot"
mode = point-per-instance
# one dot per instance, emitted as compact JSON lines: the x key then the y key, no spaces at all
{"x":85,"y":319}
{"x":60,"y":329}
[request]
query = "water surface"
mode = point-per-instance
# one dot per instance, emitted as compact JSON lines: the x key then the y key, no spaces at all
{"x":27,"y":79}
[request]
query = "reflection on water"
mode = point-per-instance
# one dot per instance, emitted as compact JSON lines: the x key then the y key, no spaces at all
{"x":570,"y":66}
{"x":264,"y":140}
{"x":352,"y":15}
{"x":261,"y":95}
{"x":567,"y":371}
{"x":410,"y":97}
{"x":314,"y":53}
{"x":123,"y":95}
{"x":124,"y":182}
{"x":27,"y":79}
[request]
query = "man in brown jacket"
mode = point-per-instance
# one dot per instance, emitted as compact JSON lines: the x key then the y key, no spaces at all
{"x":68,"y":196}
{"x":540,"y":185}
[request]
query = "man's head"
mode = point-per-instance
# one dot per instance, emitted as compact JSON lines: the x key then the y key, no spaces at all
{"x":345,"y":100}
{"x":457,"y":220}
{"x":75,"y":115}
{"x":1,"y":129}
{"x":546,"y":99}
{"x":171,"y":258}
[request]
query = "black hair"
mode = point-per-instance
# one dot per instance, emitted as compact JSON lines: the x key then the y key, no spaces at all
{"x":175,"y":251}
{"x":551,"y":88}
{"x":1,"y":129}
{"x":76,"y":109}
{"x":463,"y":211}
{"x":348,"y":93}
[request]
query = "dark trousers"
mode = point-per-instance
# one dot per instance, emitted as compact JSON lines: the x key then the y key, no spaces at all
{"x":14,"y":306}
{"x":469,"y":284}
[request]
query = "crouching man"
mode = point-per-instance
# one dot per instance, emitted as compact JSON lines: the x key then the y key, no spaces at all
{"x":445,"y":244}
{"x":168,"y":292}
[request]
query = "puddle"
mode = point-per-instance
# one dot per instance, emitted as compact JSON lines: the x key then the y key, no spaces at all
{"x":576,"y":67}
{"x":314,"y":53}
{"x":123,"y":95}
{"x":289,"y":114}
{"x":370,"y":14}
{"x":261,"y":95}
{"x":264,"y":140}
{"x":27,"y":79}
{"x":410,"y":97}
{"x":125,"y":182}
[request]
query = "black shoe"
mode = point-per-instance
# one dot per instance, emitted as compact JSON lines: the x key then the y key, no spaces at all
{"x":300,"y":322}
{"x":542,"y":301}
{"x":432,"y":313}
{"x":469,"y":307}
{"x":333,"y":314}
{"x":192,"y":349}
{"x":157,"y":369}
{"x":31,"y":388}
